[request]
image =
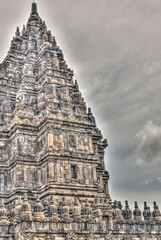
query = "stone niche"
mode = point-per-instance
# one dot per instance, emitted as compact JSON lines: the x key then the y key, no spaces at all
{"x":55,"y":141}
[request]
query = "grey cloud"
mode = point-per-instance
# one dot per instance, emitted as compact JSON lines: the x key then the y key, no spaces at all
{"x":150,"y":180}
{"x":147,"y":181}
{"x":149,"y":144}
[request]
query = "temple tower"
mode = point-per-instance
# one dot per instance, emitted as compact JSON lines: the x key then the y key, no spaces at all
{"x":50,"y":145}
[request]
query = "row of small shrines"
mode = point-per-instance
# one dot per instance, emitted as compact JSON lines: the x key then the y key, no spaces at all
{"x":66,"y":209}
{"x":75,"y":211}
{"x":137,"y":214}
{"x":74,"y":217}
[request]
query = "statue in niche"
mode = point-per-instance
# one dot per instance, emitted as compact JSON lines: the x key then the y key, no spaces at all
{"x":28,"y":68}
{"x":34,"y":105}
{"x":76,"y":98}
{"x":2,"y":117}
{"x":58,"y":96}
{"x":17,"y":74}
{"x":19,"y":145}
{"x":32,"y":35}
{"x":7,"y":107}
{"x":49,"y":90}
{"x":72,"y":142}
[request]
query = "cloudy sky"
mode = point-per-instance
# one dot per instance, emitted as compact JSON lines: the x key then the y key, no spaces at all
{"x":114,"y":48}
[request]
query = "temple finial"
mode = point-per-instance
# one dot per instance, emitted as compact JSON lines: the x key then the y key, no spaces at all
{"x":17,"y":32}
{"x":34,"y":8}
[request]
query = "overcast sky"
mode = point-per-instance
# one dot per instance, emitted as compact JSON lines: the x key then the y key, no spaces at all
{"x":114,"y":48}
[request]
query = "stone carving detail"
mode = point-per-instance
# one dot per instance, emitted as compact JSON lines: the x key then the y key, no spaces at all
{"x":18,"y":236}
{"x":71,"y":236}
{"x":92,"y":237}
{"x":3,"y":214}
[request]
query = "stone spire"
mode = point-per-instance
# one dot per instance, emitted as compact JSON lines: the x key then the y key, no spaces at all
{"x":25,"y":213}
{"x":34,"y":16}
{"x":34,"y":8}
{"x":146,"y":213}
{"x":17,"y":208}
{"x":65,"y":209}
{"x":53,"y":210}
{"x":76,"y":210}
{"x":117,"y":213}
{"x":86,"y":210}
{"x":127,"y":212}
{"x":17,"y":32}
{"x":156,"y":212}
{"x":38,"y":211}
{"x":137,"y":213}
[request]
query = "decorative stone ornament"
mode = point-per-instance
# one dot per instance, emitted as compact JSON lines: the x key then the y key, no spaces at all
{"x":38,"y":211}
{"x":25,"y":213}
{"x":3,"y":214}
